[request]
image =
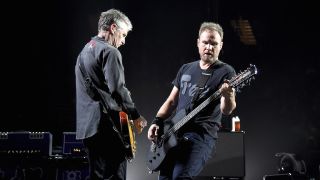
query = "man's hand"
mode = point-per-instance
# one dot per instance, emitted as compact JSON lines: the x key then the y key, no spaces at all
{"x":140,"y":123}
{"x":228,"y":99}
{"x":153,"y":132}
{"x":226,"y":90}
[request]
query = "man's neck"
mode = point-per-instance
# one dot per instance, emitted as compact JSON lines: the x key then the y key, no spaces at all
{"x":105,"y":35}
{"x":207,"y":64}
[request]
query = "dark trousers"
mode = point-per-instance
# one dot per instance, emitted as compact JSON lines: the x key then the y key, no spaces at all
{"x":106,"y":157}
{"x":186,"y":160}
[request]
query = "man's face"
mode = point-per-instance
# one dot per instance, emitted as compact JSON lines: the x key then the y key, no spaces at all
{"x":120,"y":35}
{"x":209,"y":45}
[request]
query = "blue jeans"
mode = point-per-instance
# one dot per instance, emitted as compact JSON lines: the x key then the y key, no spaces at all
{"x":186,"y":160}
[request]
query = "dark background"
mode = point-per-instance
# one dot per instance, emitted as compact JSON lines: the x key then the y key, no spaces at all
{"x":278,"y":111}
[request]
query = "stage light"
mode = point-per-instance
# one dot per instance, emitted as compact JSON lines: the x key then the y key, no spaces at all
{"x":244,"y":30}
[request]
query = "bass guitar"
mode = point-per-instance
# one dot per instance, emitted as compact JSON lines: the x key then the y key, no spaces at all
{"x":168,"y":139}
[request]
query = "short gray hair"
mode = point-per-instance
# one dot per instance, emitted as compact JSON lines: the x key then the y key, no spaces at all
{"x":212,"y":27}
{"x":113,"y":16}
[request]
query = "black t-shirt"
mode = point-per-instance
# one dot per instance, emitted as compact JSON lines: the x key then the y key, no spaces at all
{"x":187,"y":80}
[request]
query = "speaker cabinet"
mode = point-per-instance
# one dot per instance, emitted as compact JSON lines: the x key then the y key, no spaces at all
{"x":72,"y":168}
{"x":26,"y":168}
{"x":229,"y":160}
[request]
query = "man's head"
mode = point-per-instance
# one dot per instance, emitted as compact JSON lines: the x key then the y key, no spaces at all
{"x":114,"y":25}
{"x":210,"y":41}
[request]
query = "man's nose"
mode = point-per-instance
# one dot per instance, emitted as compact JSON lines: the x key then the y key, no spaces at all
{"x":209,"y":46}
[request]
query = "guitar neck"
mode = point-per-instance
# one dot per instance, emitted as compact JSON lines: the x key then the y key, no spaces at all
{"x":205,"y":103}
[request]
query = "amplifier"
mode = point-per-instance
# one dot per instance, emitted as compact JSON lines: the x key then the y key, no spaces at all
{"x":73,"y":174}
{"x":71,"y":167}
{"x":229,"y":160}
{"x":71,"y":145}
{"x":25,"y":143}
{"x":76,"y":171}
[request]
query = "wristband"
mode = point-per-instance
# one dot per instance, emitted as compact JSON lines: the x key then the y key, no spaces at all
{"x":158,"y":121}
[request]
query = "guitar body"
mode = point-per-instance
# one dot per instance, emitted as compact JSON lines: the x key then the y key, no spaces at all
{"x":128,"y":135}
{"x":160,"y":148}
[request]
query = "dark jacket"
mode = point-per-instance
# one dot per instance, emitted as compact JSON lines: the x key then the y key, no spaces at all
{"x":103,"y":64}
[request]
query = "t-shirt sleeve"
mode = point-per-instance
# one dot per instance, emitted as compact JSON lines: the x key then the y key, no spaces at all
{"x":176,"y":81}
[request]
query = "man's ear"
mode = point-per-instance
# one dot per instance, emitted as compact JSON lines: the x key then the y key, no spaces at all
{"x":113,"y":28}
{"x":198,"y":40}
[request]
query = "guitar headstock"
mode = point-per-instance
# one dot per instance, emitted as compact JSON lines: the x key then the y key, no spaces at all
{"x":244,"y":78}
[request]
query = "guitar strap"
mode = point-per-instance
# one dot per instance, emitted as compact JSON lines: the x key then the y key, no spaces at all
{"x":93,"y":92}
{"x":205,"y":75}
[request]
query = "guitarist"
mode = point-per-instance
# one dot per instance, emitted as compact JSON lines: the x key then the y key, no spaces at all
{"x":196,"y":140}
{"x":100,"y":94}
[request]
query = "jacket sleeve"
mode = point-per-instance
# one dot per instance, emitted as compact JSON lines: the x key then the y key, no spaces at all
{"x":114,"y":74}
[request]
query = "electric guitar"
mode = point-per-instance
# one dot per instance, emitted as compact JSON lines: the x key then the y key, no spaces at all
{"x":128,"y":136}
{"x":168,"y":139}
